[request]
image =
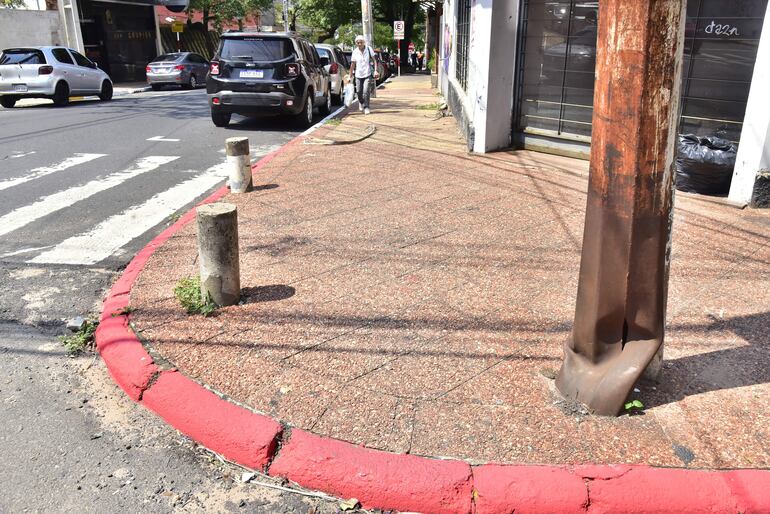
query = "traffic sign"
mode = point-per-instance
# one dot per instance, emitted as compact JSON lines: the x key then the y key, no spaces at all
{"x":398,"y":30}
{"x":177,"y":26}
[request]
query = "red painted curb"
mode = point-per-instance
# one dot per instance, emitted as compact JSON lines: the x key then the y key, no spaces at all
{"x":642,"y":490}
{"x":501,"y":489}
{"x":239,"y":434}
{"x":377,"y":479}
{"x":127,"y":361}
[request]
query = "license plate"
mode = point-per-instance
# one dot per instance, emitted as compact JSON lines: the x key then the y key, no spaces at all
{"x":20,"y":88}
{"x":252,"y":74}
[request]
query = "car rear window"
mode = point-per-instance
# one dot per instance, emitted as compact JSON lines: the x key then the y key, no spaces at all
{"x":323,"y":52}
{"x":256,"y":49}
{"x":22,"y":56}
{"x":167,"y":57}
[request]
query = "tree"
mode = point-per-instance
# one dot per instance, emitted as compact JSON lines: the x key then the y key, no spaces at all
{"x":325,"y":17}
{"x":11,"y":3}
{"x":222,"y":12}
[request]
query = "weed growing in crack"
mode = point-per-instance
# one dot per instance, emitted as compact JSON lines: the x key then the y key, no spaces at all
{"x":81,"y":340}
{"x":188,"y":292}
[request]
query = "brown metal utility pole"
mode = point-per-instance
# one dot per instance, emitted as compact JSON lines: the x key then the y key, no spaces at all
{"x":621,"y":300}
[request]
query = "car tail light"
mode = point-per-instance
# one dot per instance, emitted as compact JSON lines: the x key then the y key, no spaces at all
{"x":334,"y":68}
{"x":292,"y":69}
{"x":179,"y":67}
{"x":147,"y":69}
{"x":214,"y":69}
{"x":45,"y":70}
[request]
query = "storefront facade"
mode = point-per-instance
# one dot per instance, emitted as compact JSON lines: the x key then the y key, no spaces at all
{"x":550,"y":49}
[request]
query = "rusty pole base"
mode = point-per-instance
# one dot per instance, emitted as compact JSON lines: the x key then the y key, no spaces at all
{"x":604,"y":386}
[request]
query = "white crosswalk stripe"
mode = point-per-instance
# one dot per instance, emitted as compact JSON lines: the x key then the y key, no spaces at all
{"x":57,"y":201}
{"x":79,"y":158}
{"x":114,"y":232}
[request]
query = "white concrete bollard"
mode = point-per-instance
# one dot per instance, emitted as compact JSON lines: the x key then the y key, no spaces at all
{"x":218,"y":253}
{"x":239,"y":163}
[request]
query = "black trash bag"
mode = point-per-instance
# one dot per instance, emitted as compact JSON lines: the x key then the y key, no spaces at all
{"x":704,"y":164}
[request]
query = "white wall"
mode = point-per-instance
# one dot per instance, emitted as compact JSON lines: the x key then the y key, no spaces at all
{"x":21,"y":27}
{"x":493,"y":57}
{"x":754,"y":148}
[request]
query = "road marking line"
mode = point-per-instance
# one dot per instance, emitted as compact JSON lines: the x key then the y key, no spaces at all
{"x":69,"y":162}
{"x":161,"y":138}
{"x":16,"y":155}
{"x":26,"y":250}
{"x":63,"y":199}
{"x":118,"y":230}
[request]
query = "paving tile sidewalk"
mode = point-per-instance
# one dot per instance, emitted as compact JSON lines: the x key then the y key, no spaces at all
{"x":405,"y":295}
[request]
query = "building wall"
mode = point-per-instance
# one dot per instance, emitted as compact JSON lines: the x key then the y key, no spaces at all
{"x":21,"y":27}
{"x":484,"y":107}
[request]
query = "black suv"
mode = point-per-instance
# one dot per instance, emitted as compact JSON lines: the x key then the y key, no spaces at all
{"x":259,"y":73}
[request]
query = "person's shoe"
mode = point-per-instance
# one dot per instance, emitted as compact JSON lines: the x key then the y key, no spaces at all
{"x":366,"y":111}
{"x":360,"y":107}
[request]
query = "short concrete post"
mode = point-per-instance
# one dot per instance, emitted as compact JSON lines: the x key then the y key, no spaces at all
{"x":239,"y":162}
{"x":218,"y":253}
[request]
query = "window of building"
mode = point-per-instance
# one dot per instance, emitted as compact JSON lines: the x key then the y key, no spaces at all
{"x":463,"y":38}
{"x":558,"y":57}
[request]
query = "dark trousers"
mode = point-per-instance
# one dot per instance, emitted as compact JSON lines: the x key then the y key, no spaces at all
{"x":363,"y":91}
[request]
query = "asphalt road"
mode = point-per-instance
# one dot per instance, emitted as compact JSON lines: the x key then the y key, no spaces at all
{"x":82,"y":189}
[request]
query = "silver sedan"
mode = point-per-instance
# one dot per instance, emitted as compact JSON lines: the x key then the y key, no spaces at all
{"x":186,"y":69}
{"x":51,"y":72}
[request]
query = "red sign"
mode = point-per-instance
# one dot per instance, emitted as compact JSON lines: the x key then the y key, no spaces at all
{"x":411,"y":47}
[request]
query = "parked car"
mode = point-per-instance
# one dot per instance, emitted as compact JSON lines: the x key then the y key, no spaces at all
{"x":51,"y":72}
{"x":337,"y":69}
{"x":186,"y":69}
{"x":390,"y":61}
{"x":382,"y":68}
{"x":267,"y":73}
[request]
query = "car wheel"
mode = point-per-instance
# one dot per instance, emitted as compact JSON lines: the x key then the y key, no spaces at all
{"x":106,"y":93}
{"x":337,"y":99}
{"x":327,"y":106}
{"x":220,"y":119}
{"x":193,"y":82}
{"x":155,"y":87}
{"x":8,"y":101}
{"x":305,"y":117}
{"x":61,"y":95}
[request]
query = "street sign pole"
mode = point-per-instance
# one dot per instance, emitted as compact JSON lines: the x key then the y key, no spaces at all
{"x":398,"y":35}
{"x":366,"y":19}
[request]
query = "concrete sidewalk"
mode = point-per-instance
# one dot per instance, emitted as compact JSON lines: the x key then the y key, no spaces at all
{"x":404,"y":295}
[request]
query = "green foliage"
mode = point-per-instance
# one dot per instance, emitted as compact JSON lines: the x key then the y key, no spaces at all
{"x":429,"y":107}
{"x":188,"y":292}
{"x":634,"y":405}
{"x":432,"y":60}
{"x":383,"y":35}
{"x":11,"y":3}
{"x":228,"y":11}
{"x":82,"y":339}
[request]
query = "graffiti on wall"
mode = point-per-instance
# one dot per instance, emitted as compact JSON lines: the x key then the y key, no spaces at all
{"x":446,"y":51}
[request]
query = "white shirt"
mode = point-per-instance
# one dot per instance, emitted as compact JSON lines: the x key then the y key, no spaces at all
{"x":363,"y":62}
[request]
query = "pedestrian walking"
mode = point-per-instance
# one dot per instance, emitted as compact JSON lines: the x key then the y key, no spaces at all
{"x":420,"y":57}
{"x":363,"y":71}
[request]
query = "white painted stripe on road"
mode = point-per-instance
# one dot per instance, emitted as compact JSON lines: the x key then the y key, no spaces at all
{"x":16,"y":155}
{"x":69,"y":162}
{"x":116,"y":231}
{"x":57,"y":201}
{"x":161,"y":138}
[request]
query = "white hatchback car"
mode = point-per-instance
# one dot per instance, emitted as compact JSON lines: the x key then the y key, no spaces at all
{"x":51,"y":72}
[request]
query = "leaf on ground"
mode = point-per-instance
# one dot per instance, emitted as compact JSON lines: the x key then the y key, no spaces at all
{"x":350,"y":504}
